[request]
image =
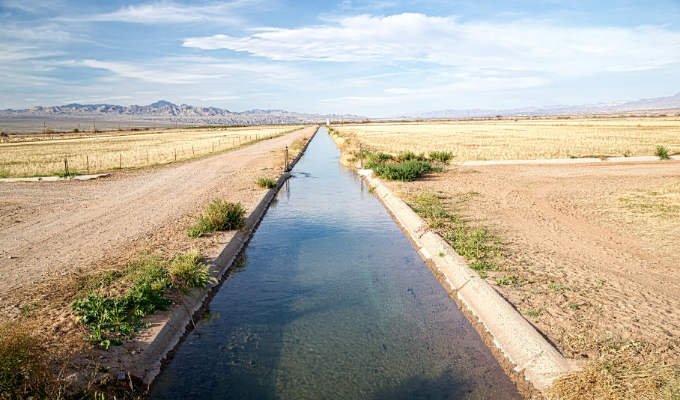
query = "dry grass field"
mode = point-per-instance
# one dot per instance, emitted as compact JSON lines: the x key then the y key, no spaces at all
{"x":523,"y":139}
{"x":112,"y":150}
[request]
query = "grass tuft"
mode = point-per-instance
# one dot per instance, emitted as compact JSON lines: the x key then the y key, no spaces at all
{"x":268,"y":183}
{"x":188,"y":271}
{"x":662,"y":153}
{"x":219,"y":216}
{"x":441,"y":156}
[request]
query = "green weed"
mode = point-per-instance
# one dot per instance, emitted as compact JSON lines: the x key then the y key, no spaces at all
{"x":410,"y":156}
{"x":662,"y":153}
{"x":556,"y":287}
{"x":188,"y":271}
{"x":219,"y":216}
{"x":508,"y":280}
{"x":406,"y":171}
{"x":268,"y":183}
{"x":111,"y":319}
{"x":441,"y":156}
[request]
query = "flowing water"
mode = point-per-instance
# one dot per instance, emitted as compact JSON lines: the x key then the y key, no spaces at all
{"x":331,"y":301}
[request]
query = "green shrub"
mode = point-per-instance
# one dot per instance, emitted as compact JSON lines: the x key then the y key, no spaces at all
{"x":662,"y":153}
{"x":410,"y":156}
{"x":268,"y":183}
{"x":219,"y":216}
{"x":405,"y":172}
{"x":442,"y":156}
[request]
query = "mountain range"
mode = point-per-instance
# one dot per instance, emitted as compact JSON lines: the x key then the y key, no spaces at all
{"x":625,"y":106}
{"x":168,"y":112}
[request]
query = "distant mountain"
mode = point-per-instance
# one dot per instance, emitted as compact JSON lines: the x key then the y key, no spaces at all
{"x":161,"y":103}
{"x":658,"y":103}
{"x":168,"y":112}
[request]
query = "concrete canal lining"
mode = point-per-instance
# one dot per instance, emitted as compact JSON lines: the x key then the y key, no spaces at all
{"x":530,"y":360}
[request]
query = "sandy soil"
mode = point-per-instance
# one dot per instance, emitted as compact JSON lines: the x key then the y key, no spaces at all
{"x":595,"y":273}
{"x":54,"y":229}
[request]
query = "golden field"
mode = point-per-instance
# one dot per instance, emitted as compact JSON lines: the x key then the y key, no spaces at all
{"x":523,"y":139}
{"x":109,"y":151}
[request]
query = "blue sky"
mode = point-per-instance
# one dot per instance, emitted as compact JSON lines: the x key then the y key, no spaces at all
{"x":374,"y":58}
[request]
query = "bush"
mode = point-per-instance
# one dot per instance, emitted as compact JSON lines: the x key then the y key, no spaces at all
{"x":410,"y":156}
{"x":442,"y":156}
{"x":405,"y":172}
{"x":662,"y":153}
{"x":268,"y":183}
{"x":219,"y":216}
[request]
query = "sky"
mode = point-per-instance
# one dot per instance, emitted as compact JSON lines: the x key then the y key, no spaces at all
{"x":371,"y":58}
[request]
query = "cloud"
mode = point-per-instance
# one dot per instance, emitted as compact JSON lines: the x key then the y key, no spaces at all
{"x":398,"y":91}
{"x":482,"y":47}
{"x":170,"y":13}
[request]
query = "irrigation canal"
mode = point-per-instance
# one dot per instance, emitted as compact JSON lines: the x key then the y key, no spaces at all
{"x":331,"y":301}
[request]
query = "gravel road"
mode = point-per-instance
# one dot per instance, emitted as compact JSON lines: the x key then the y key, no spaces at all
{"x":48,"y":229}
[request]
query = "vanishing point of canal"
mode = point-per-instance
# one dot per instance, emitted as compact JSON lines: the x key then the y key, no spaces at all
{"x":331,"y":301}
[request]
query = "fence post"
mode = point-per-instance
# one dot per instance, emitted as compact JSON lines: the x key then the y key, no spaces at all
{"x":286,"y":165}
{"x":120,"y":165}
{"x":361,"y":155}
{"x":66,"y":167}
{"x":88,"y":165}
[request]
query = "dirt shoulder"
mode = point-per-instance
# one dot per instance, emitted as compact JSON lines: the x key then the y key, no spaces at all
{"x":591,"y":253}
{"x":50,"y":229}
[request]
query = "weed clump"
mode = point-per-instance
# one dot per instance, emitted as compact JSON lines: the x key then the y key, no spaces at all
{"x":662,"y":153}
{"x":406,"y":171}
{"x":113,"y":319}
{"x":441,"y":156}
{"x":410,"y":156}
{"x":219,"y":216}
{"x":268,"y":183}
{"x":188,"y":271}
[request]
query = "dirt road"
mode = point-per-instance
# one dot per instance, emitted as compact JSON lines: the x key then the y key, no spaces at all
{"x":49,"y":229}
{"x":592,"y":252}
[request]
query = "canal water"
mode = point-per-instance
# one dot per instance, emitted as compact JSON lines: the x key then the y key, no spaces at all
{"x":331,"y":301}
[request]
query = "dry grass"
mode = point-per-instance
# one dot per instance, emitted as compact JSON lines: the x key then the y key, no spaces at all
{"x":619,"y":378}
{"x":510,"y":140}
{"x":112,"y":151}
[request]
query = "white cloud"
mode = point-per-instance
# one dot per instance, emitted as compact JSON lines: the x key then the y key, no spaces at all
{"x":169,"y":13}
{"x":482,"y":47}
{"x":398,"y":90}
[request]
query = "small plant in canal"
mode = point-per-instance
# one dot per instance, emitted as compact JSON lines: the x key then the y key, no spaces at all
{"x":219,"y":216}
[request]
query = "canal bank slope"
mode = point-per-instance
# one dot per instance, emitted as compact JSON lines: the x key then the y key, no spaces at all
{"x":527,"y":357}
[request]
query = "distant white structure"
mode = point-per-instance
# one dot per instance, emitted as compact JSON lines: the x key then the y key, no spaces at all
{"x":328,"y":122}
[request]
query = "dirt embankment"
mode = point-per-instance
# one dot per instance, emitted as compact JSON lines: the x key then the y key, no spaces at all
{"x":591,"y":252}
{"x":49,"y":230}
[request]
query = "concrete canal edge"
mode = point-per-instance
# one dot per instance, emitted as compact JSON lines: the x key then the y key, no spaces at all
{"x":177,"y":325}
{"x":526,"y":356}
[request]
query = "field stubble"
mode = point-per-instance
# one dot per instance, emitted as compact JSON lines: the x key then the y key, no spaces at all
{"x":522,"y":140}
{"x":109,"y":151}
